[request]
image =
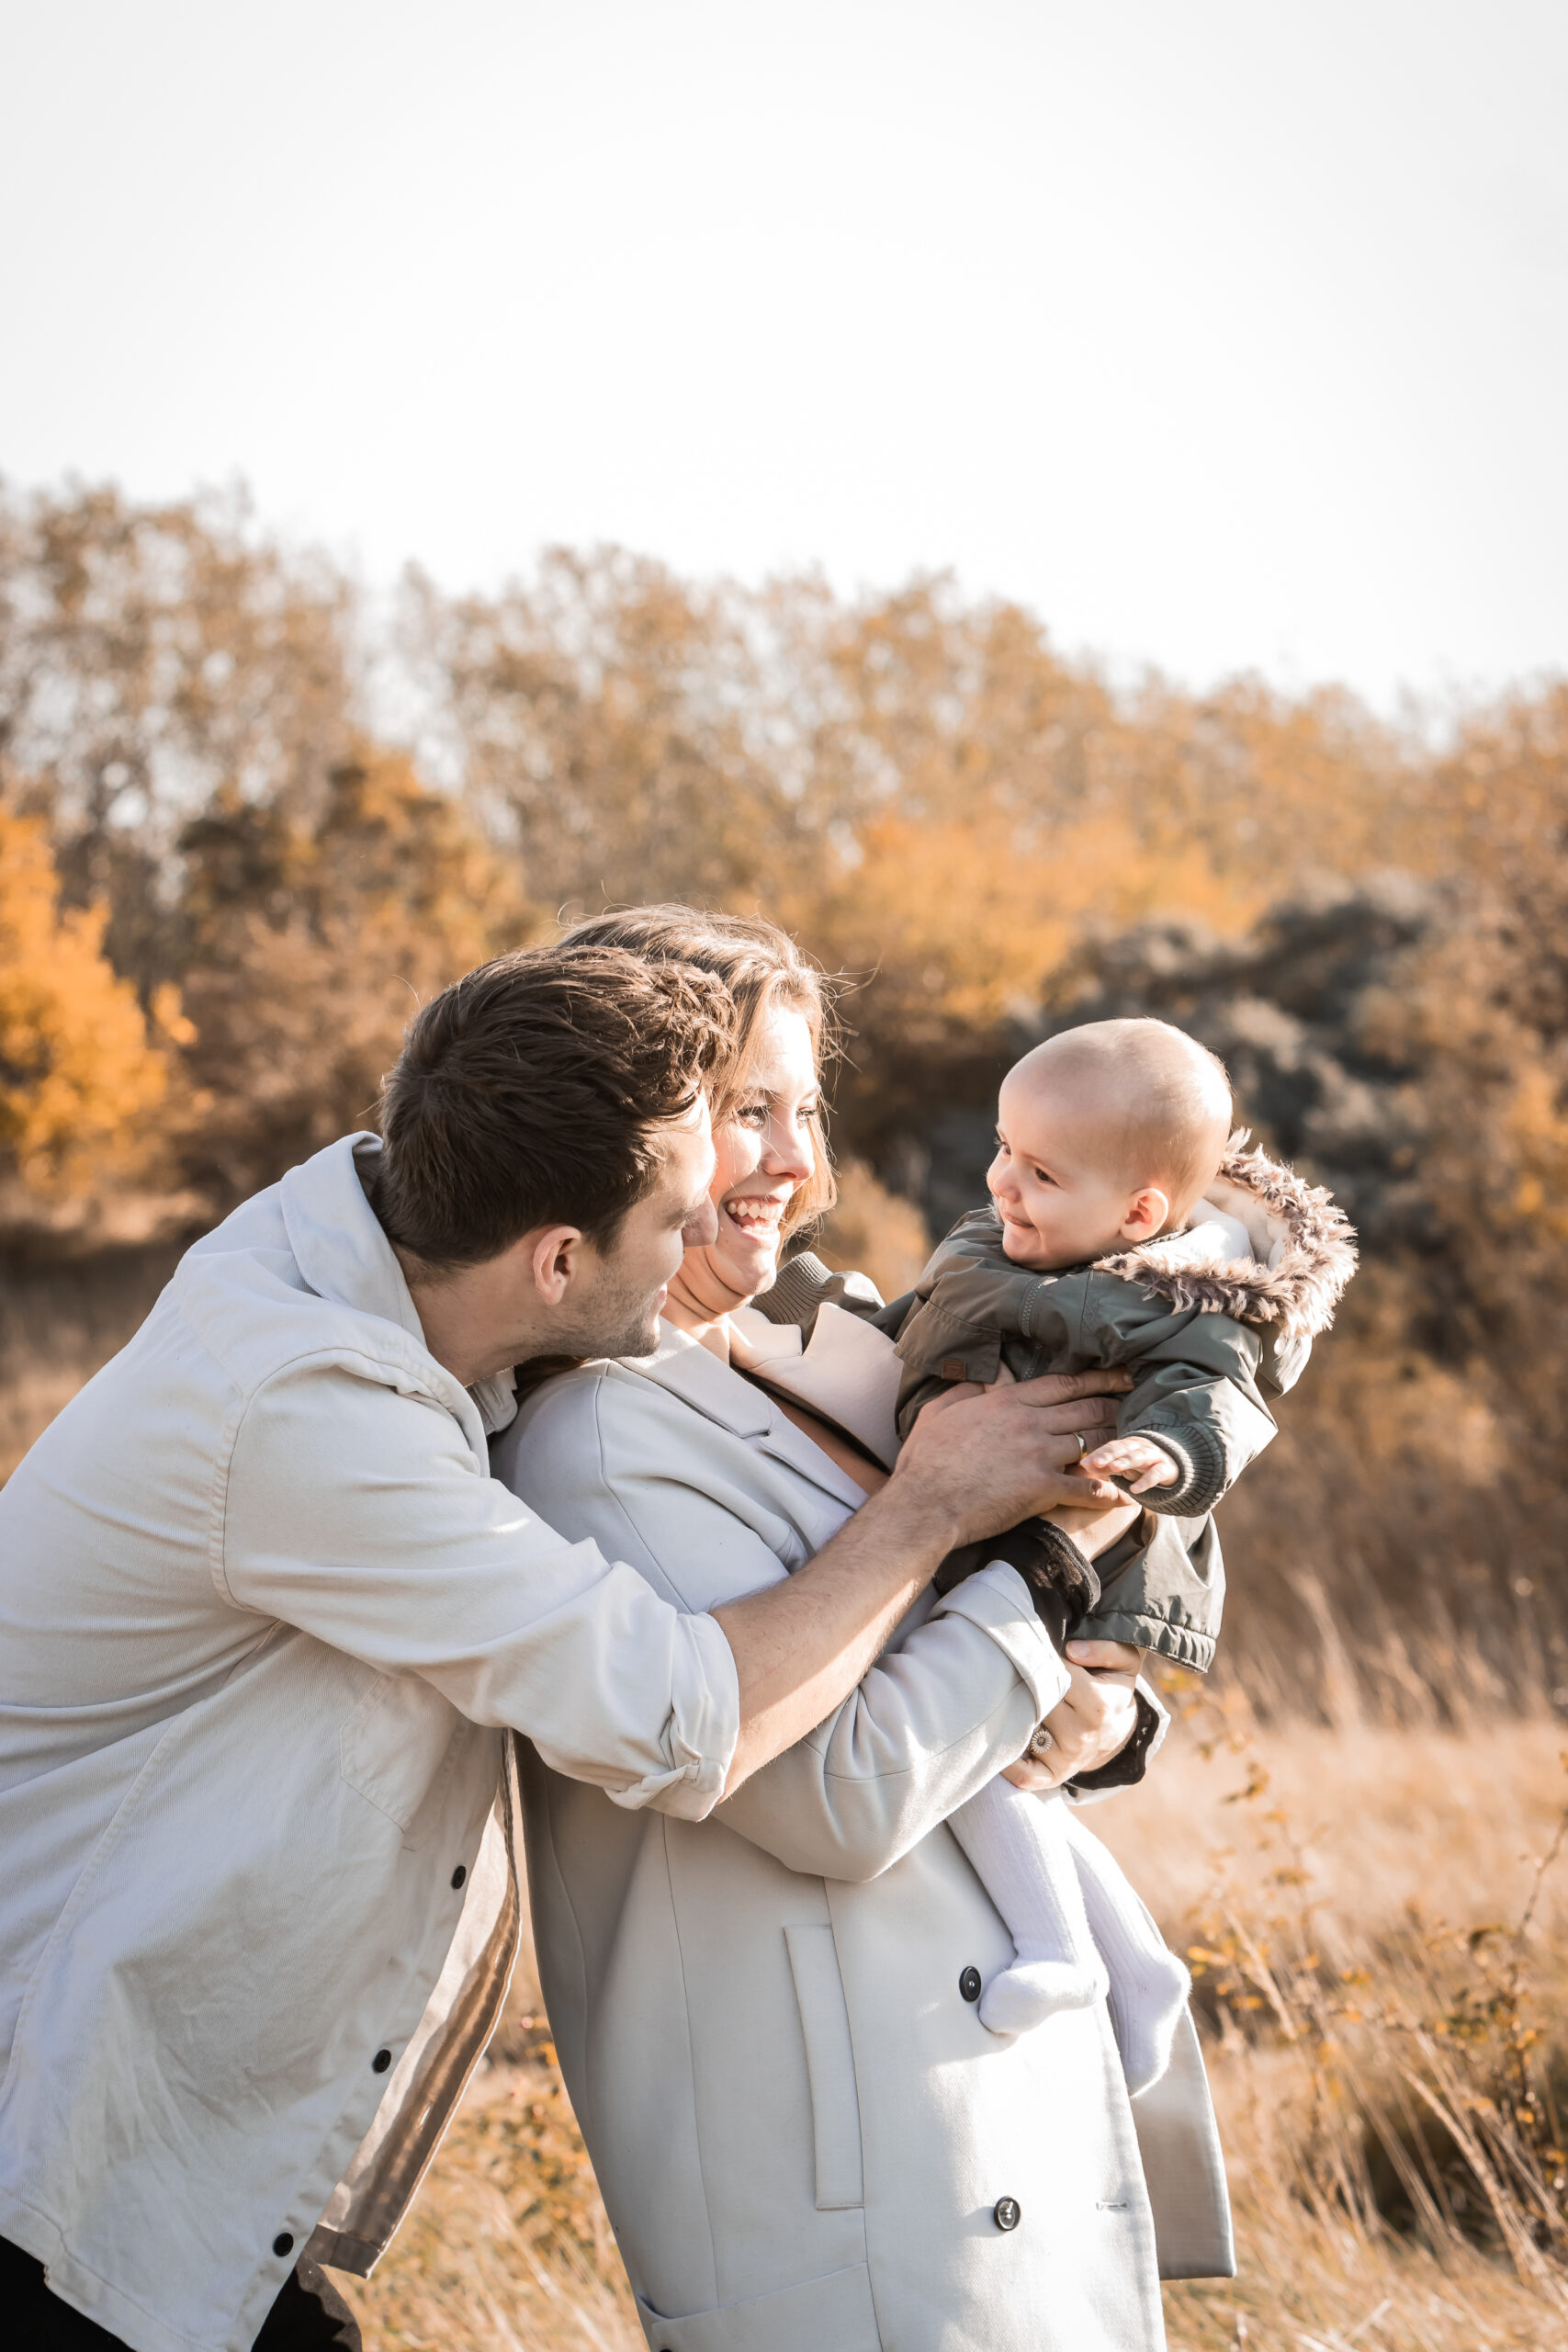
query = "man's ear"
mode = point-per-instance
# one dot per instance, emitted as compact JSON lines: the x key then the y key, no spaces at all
{"x":555,"y":1256}
{"x":1147,"y":1213}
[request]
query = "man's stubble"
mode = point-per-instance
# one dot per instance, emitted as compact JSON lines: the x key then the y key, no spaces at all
{"x":621,"y":1320}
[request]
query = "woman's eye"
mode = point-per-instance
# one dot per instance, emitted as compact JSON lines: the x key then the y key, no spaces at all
{"x":752,"y":1114}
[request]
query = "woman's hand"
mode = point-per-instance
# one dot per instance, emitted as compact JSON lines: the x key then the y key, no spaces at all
{"x":1092,"y":1721}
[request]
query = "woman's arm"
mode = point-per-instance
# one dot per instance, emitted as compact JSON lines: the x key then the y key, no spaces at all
{"x":928,"y":1726}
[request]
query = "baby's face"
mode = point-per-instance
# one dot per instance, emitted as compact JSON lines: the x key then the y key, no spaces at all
{"x":1049,"y":1179}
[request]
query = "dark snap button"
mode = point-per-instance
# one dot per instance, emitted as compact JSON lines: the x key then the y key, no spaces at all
{"x":283,"y":2243}
{"x":459,"y":1874}
{"x":1007,"y":2212}
{"x":379,"y":2063}
{"x":969,"y":1984}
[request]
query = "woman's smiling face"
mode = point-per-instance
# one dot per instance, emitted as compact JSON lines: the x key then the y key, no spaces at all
{"x":766,"y":1152}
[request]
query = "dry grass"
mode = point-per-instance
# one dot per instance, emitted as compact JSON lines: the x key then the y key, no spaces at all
{"x":1383,"y":2044}
{"x":1389,"y":1825}
{"x":1379,"y":1849}
{"x":1317,"y":2282}
{"x":507,"y":2247}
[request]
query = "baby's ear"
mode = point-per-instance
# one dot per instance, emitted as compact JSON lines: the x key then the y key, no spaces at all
{"x":1147,"y":1214}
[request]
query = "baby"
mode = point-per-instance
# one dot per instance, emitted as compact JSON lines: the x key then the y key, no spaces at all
{"x":1126,"y":1227}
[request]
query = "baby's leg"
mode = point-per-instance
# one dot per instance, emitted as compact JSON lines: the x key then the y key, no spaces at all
{"x":1149,"y":1987}
{"x":1018,"y":1846}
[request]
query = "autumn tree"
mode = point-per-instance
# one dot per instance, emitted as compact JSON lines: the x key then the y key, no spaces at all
{"x":82,"y":1075}
{"x":151,"y":656}
{"x":312,"y":944}
{"x":610,"y":723}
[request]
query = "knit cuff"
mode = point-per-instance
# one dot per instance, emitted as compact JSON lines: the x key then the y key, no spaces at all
{"x":804,"y":1283}
{"x":1200,"y":1460}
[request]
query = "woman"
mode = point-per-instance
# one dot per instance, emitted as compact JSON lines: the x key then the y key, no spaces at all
{"x":806,"y":2140}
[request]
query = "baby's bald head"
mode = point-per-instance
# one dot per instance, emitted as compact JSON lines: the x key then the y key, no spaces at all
{"x":1149,"y":1103}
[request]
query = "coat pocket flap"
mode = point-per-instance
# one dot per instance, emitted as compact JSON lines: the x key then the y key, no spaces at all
{"x":396,"y":1743}
{"x":835,"y":2312}
{"x":830,"y":2065}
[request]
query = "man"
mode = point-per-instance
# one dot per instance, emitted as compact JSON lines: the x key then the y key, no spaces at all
{"x":265,"y":1619}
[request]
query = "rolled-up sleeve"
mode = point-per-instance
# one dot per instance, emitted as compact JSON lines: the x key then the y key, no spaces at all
{"x":361,"y":1515}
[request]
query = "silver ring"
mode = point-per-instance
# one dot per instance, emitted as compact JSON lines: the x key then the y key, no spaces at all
{"x":1083,"y":1446}
{"x":1043,"y":1742}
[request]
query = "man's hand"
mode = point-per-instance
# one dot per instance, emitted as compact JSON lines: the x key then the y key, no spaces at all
{"x":1092,"y":1721}
{"x":982,"y":1459}
{"x":977,"y":1460}
{"x":1136,"y":1459}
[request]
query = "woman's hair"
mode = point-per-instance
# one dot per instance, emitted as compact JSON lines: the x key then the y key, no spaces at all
{"x":761,"y":967}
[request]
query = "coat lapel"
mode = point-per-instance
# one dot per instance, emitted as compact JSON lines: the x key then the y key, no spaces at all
{"x":685,"y":1367}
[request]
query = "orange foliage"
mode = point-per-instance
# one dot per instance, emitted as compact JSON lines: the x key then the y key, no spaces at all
{"x":312,"y":944}
{"x":80,"y":1075}
{"x":965,"y":927}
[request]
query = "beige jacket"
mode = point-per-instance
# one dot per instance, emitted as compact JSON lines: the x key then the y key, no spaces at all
{"x":805,"y":2137}
{"x":264,"y":1621}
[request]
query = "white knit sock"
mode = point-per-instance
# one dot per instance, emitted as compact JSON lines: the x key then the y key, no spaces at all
{"x":1018,"y":1844}
{"x":1149,"y":1987}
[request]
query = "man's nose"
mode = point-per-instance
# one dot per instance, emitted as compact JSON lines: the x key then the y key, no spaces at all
{"x":701,"y":1227}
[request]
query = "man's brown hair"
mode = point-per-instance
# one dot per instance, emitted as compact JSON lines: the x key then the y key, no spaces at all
{"x":530,"y":1092}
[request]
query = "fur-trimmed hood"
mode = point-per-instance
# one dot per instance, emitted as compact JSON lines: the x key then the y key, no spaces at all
{"x":1302,"y":1249}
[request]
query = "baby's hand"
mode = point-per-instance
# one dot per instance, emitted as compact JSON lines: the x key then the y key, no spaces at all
{"x":1126,"y":1458}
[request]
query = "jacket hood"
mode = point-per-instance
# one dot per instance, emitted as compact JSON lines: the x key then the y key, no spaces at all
{"x":1303,"y":1250}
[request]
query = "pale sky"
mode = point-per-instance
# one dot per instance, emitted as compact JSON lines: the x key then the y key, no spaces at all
{"x":1223,"y":335}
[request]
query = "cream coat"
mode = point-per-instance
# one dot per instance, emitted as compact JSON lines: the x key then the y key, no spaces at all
{"x":800,"y":2127}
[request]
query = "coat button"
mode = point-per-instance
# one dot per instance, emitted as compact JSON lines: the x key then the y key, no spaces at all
{"x":969,"y":1984}
{"x":283,"y":2243}
{"x":459,"y":1874}
{"x":379,"y":2063}
{"x":1007,"y":2212}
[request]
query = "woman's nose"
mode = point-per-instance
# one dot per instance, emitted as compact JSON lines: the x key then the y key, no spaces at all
{"x":787,"y":1151}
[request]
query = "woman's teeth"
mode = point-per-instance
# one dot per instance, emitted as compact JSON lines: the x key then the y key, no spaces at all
{"x":758,"y":1218}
